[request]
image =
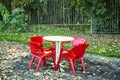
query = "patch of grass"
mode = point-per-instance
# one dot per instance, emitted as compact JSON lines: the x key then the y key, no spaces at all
{"x":104,"y":44}
{"x":17,"y":37}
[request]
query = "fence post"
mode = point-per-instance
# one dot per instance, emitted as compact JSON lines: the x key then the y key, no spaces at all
{"x":91,"y":24}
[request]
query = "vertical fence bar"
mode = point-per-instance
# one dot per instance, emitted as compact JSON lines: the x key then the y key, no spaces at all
{"x":91,"y":25}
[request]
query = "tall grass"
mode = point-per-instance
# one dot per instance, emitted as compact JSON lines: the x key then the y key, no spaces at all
{"x":100,"y":44}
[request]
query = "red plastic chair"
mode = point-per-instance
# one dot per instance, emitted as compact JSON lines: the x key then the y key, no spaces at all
{"x":75,"y":42}
{"x":40,"y":52}
{"x":78,"y":41}
{"x":75,"y":53}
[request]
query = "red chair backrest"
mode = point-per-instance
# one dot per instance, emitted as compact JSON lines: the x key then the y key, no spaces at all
{"x":35,"y":43}
{"x":78,"y":41}
{"x":79,"y":50}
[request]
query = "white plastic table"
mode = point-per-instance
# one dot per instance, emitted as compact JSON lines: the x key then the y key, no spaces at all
{"x":58,"y":40}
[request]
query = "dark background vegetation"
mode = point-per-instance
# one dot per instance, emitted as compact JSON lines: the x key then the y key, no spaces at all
{"x":102,"y":16}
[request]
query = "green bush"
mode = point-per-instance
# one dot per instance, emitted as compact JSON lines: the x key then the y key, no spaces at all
{"x":5,"y":15}
{"x":18,"y":20}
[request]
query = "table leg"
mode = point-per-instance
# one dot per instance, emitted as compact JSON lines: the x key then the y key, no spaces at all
{"x":57,"y":55}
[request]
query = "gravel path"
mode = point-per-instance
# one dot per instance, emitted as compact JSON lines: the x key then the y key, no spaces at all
{"x":15,"y":57}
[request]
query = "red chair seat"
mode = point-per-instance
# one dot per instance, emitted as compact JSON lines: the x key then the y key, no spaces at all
{"x":69,"y":55}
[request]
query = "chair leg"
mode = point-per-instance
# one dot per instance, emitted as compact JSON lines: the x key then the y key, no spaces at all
{"x":39,"y":63}
{"x":31,"y":61}
{"x":57,"y":66}
{"x":83,"y":66}
{"x":43,"y":62}
{"x":72,"y":66}
{"x":74,"y":62}
{"x":53,"y":60}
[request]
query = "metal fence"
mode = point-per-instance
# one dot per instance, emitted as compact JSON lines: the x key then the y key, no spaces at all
{"x":110,"y":22}
{"x":57,"y":12}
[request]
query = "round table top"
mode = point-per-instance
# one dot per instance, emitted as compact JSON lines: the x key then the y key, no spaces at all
{"x":58,"y":38}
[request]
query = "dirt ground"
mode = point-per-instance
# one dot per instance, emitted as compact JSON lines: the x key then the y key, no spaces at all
{"x":15,"y":57}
